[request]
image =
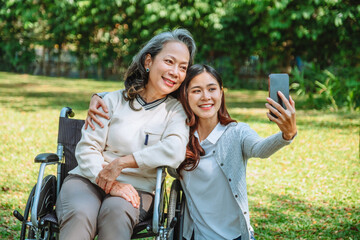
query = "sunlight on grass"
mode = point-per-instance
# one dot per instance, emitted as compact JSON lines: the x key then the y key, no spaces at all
{"x":308,"y":190}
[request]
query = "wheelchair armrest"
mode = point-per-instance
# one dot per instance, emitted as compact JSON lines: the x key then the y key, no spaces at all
{"x":46,"y":158}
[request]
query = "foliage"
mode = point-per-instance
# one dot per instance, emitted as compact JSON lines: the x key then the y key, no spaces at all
{"x":333,"y":88}
{"x":105,"y":34}
{"x":282,"y":29}
{"x":100,"y":32}
{"x":16,"y":52}
{"x":308,"y":190}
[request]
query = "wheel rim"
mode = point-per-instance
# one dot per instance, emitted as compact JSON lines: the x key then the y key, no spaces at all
{"x":24,"y":226}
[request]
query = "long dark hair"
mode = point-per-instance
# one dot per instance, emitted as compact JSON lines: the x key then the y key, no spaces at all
{"x":193,"y":149}
{"x":136,"y":77}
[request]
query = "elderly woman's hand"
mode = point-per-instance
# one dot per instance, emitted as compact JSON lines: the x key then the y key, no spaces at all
{"x":95,"y":103}
{"x":107,"y":176}
{"x":127,"y":192}
{"x":286,"y":119}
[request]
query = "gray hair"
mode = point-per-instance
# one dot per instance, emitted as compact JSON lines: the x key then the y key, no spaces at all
{"x":136,"y":76}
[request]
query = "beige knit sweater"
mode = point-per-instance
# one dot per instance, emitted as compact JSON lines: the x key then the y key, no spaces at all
{"x":125,"y":133}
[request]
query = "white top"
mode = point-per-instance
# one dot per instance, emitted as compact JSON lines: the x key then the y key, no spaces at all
{"x":219,"y":216}
{"x":156,"y":136}
{"x":236,"y":145}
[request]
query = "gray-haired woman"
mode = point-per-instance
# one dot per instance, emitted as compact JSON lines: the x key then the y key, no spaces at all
{"x":111,"y":189}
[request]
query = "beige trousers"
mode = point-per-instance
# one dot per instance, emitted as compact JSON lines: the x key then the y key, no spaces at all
{"x":84,"y":211}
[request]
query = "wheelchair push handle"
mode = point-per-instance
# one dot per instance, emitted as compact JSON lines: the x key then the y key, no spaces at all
{"x":67,"y":112}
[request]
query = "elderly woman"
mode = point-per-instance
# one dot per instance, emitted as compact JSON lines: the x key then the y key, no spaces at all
{"x":111,"y":189}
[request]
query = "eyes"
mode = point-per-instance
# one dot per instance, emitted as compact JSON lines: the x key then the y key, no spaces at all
{"x":184,"y":68}
{"x":198,"y":90}
{"x":170,"y":61}
{"x":212,"y":89}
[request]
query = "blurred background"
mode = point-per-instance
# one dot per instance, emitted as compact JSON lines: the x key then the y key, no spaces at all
{"x":315,"y":41}
{"x":57,"y":53}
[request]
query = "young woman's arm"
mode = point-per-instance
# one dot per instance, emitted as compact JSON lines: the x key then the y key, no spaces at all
{"x":95,"y":103}
{"x":255,"y":146}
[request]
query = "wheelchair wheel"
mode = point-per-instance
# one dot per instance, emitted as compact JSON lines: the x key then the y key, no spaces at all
{"x":162,"y":205}
{"x":27,"y":232}
{"x":46,"y":203}
{"x":175,"y":209}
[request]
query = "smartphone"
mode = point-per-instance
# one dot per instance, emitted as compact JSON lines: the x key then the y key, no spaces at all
{"x":278,"y":82}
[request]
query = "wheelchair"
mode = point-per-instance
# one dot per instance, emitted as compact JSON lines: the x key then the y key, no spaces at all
{"x":39,"y":220}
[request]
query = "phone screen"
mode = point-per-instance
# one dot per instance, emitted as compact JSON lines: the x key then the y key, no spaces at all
{"x":278,"y":82}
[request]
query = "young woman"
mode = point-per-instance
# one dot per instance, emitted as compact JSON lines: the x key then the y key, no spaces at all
{"x":111,"y":189}
{"x":213,"y":174}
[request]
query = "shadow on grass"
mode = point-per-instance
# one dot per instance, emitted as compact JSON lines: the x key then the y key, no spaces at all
{"x":339,"y":124}
{"x":30,"y":93}
{"x":254,"y":99}
{"x":33,"y":101}
{"x":238,"y":104}
{"x":17,"y":85}
{"x":342,"y":122}
{"x":290,"y":218}
{"x":300,"y":105}
{"x":29,"y":96}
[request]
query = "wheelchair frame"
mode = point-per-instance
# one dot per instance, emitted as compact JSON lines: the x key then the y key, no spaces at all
{"x":39,"y":226}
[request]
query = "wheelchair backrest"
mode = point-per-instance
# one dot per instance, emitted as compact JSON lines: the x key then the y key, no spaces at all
{"x":69,"y":135}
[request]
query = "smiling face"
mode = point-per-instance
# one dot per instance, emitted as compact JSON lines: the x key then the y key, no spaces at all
{"x":167,"y":69}
{"x":204,"y":96}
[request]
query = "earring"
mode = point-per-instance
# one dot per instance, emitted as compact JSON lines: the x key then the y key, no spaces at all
{"x":147,"y":70}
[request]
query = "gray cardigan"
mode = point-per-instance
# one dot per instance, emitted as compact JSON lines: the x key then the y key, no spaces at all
{"x":237,"y":144}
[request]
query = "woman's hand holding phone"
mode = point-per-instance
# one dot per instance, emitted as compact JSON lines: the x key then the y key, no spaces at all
{"x":285,"y":118}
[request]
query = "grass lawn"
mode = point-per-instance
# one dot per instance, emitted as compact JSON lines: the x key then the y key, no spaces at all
{"x":308,"y":190}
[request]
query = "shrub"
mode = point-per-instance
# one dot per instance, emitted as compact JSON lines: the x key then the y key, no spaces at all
{"x":334,"y":88}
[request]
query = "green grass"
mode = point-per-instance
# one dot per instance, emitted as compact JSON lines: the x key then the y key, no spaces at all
{"x":308,"y":190}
